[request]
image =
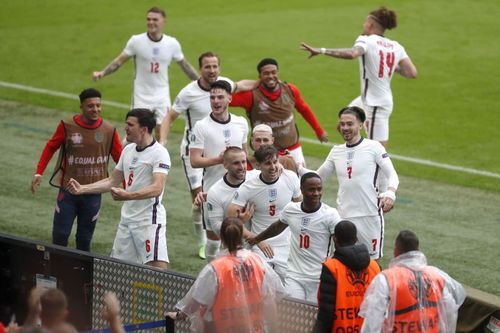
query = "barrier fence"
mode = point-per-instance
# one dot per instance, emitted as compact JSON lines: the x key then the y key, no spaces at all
{"x":145,"y":293}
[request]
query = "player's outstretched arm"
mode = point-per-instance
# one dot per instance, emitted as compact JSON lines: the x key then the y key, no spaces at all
{"x":101,"y":186}
{"x":350,"y":53}
{"x":188,"y":69}
{"x":166,"y":124}
{"x":199,"y":161}
{"x":112,"y":67}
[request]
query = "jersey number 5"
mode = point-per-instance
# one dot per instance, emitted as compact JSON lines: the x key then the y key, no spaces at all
{"x":272,"y":209}
{"x":388,"y":58}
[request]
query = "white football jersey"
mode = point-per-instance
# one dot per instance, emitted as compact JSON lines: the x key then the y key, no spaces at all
{"x":151,"y":85}
{"x":310,"y":238}
{"x":193,"y":103}
{"x":138,"y":167}
{"x":214,"y":137}
{"x":357,"y":168}
{"x":219,"y":197}
{"x":376,"y":68}
{"x":269,"y":199}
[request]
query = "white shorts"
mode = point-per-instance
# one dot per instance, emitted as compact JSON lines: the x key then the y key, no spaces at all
{"x":194,"y":176}
{"x":377,"y":120}
{"x":140,"y":243}
{"x":371,"y":233}
{"x":278,"y":262}
{"x":303,"y":289}
{"x":160,"y":110}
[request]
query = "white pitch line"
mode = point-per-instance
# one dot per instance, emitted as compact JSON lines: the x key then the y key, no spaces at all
{"x":308,"y":140}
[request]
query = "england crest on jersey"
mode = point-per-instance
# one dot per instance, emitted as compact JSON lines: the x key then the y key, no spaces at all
{"x":304,"y":223}
{"x":273,"y":194}
{"x":156,"y":50}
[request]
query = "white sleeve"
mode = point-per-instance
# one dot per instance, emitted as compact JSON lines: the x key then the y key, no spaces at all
{"x":375,"y":305}
{"x":361,"y":41}
{"x":202,"y":292}
{"x":197,"y":137}
{"x":452,"y":298}
{"x":327,"y":168}
{"x":162,"y":162}
{"x":130,"y":48}
{"x":177,"y":51}
{"x":215,"y":211}
{"x":333,"y":219}
{"x":180,"y":105}
{"x":384,"y":162}
{"x":284,"y":216}
{"x":296,"y":185}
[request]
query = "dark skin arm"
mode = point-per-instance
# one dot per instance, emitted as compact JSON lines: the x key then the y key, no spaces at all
{"x":273,"y":230}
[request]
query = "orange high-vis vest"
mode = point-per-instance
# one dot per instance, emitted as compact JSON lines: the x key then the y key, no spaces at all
{"x":351,"y":287}
{"x":238,"y":306}
{"x":417,"y":294}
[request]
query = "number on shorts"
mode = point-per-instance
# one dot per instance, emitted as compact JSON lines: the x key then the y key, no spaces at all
{"x":374,"y":244}
{"x":130,"y":179}
{"x":272,"y":209}
{"x":304,"y":241}
{"x":389,"y":61}
{"x":155,"y":67}
{"x":148,"y":246}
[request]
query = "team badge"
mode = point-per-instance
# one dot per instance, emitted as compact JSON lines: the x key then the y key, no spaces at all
{"x":273,"y":194}
{"x":350,"y":155}
{"x":304,"y":223}
{"x":156,"y":50}
{"x":227,"y":133}
{"x":99,"y":137}
{"x":134,"y":160}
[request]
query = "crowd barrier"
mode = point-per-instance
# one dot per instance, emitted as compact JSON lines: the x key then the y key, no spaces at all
{"x":145,"y":293}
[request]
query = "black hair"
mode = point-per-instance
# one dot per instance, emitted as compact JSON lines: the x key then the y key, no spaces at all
{"x":358,"y":112}
{"x":406,"y":241}
{"x":265,"y":152}
{"x":221,"y":84}
{"x":345,"y":233}
{"x":145,"y":117}
{"x":265,"y":62}
{"x":307,"y":176}
{"x":89,"y":93}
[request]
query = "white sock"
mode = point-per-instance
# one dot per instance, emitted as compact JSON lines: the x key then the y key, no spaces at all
{"x":198,"y":225}
{"x":211,"y":249}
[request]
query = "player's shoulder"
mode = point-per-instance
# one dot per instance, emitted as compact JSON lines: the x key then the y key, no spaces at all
{"x":238,"y":119}
{"x":170,"y":40}
{"x":329,"y":211}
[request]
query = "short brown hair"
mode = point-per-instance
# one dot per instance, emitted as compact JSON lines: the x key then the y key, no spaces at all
{"x":207,"y":54}
{"x":53,"y":303}
{"x":231,"y":233}
{"x":157,"y":10}
{"x":385,"y":17}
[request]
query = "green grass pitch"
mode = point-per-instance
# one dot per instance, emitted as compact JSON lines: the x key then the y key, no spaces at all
{"x":448,"y":115}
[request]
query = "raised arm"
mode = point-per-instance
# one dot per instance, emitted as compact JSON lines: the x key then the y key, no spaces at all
{"x":188,"y":69}
{"x":112,"y":67}
{"x":350,"y":53}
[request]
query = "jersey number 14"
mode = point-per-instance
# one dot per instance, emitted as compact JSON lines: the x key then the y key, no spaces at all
{"x":388,"y":59}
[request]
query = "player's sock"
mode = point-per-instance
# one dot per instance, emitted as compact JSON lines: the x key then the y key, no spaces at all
{"x":211,"y":249}
{"x":198,"y":225}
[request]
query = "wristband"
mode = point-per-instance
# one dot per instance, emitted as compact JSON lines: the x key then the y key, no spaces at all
{"x":388,"y":194}
{"x":322,"y":50}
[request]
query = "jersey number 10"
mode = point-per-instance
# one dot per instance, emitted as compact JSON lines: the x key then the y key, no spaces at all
{"x":304,"y":241}
{"x":388,"y":58}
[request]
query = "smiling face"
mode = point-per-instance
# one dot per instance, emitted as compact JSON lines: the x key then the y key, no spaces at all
{"x":269,"y":169}
{"x":219,"y":102}
{"x":236,"y":165}
{"x":155,"y":23}
{"x":350,"y":127}
{"x":312,"y":190}
{"x":209,"y":70}
{"x":91,"y":109}
{"x":268,"y":76}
